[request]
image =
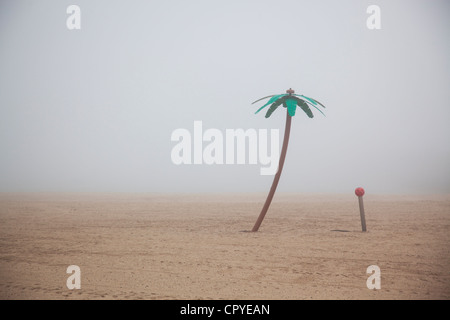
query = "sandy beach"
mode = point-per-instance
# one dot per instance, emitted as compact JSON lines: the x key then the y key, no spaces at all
{"x":159,"y":246}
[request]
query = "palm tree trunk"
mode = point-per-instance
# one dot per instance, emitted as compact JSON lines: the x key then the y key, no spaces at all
{"x":287,"y":131}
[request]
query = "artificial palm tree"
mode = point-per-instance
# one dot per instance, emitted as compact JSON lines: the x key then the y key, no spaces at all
{"x":290,"y":101}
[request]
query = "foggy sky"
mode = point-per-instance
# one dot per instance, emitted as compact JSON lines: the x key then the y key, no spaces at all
{"x":94,"y":109}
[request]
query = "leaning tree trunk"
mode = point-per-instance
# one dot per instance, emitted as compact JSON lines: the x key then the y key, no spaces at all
{"x":287,"y":131}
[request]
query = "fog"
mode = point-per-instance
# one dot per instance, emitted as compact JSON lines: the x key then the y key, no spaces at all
{"x":94,"y":109}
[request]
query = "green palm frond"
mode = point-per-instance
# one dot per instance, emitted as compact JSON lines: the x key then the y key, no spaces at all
{"x":313,"y":101}
{"x":307,"y":98}
{"x":291,"y":105}
{"x":316,"y":108}
{"x":304,"y":106}
{"x":319,"y":103}
{"x":263,"y":98}
{"x":272,"y":100}
{"x":274,"y":107}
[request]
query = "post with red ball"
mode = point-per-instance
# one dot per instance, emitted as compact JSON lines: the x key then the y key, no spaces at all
{"x":360,"y":192}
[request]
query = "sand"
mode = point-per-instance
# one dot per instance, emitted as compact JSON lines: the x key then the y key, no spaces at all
{"x":155,"y":246}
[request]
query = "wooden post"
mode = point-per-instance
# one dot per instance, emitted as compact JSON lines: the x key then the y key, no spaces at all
{"x":361,"y":212}
{"x":360,"y":192}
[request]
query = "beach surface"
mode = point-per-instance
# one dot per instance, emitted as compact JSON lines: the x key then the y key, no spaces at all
{"x":181,"y":246}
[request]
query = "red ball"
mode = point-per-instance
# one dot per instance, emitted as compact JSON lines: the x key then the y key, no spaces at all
{"x":359,"y":192}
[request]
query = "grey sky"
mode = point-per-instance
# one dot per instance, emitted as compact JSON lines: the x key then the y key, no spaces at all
{"x":94,"y":109}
